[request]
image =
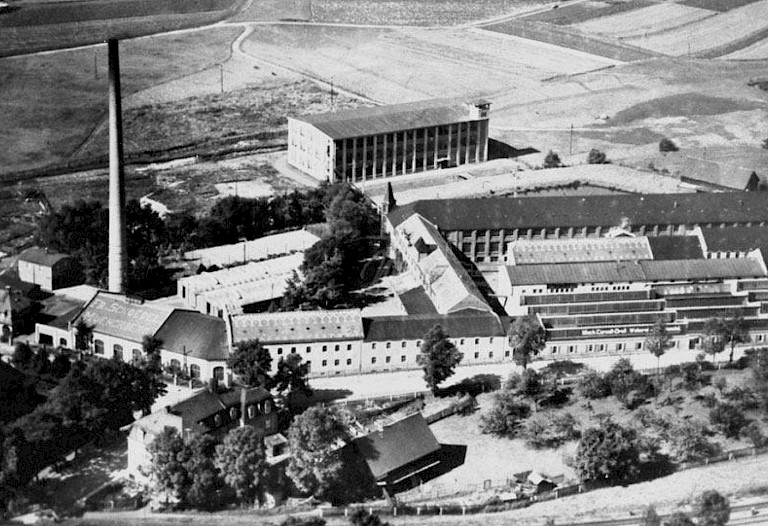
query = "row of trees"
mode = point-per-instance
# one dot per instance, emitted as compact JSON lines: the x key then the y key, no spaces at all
{"x":252,"y":363}
{"x":78,"y":229}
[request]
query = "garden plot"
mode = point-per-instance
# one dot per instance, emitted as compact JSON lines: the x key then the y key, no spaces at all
{"x":402,"y":65}
{"x":648,"y":20}
{"x":709,"y":33}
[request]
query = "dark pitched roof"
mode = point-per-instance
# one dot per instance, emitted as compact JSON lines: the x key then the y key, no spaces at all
{"x":390,"y":118}
{"x":416,"y":301}
{"x":42,"y":256}
{"x":736,"y":239}
{"x":676,"y":247}
{"x":205,"y":404}
{"x":466,"y":324}
{"x":195,"y":334}
{"x":396,"y":445}
{"x":634,"y":271}
{"x":595,"y":210}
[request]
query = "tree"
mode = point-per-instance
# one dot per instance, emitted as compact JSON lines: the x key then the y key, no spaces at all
{"x":60,"y":366}
{"x":83,"y":334}
{"x":650,"y":517}
{"x":252,"y":362}
{"x":596,"y":157}
{"x":609,"y":452}
{"x":754,"y":433}
{"x":438,"y":357}
{"x":728,"y":418}
{"x":152,"y":366}
{"x":715,"y":337}
{"x":291,"y":375}
{"x":23,"y":356}
{"x":712,"y":509}
{"x":318,"y":466}
{"x":627,"y":385}
{"x":506,"y":414}
{"x":527,"y":337}
{"x":545,"y":430}
{"x":658,"y":341}
{"x":240,"y":459}
{"x":552,"y":160}
{"x":667,"y":145}
{"x":362,"y":517}
{"x":679,"y":518}
{"x":207,"y":491}
{"x":169,"y":456}
{"x":735,"y":331}
{"x":594,"y":385}
{"x":688,"y":441}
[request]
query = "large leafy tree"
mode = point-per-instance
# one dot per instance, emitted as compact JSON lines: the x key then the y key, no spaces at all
{"x":658,"y":341}
{"x":609,"y":452}
{"x":736,"y":331}
{"x":240,"y":459}
{"x":527,"y":337}
{"x":251,"y":361}
{"x":438,"y":357}
{"x":23,"y":356}
{"x":712,"y":509}
{"x":715,"y":337}
{"x":316,"y":437}
{"x":83,"y":334}
{"x":506,"y":414}
{"x":291,"y":376}
{"x":151,"y":365}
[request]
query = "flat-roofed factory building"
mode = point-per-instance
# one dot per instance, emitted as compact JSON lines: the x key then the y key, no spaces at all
{"x":372,"y":143}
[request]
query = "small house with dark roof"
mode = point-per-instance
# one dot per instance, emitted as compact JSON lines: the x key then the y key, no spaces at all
{"x":370,"y":143}
{"x":399,"y":454}
{"x":214,"y":410}
{"x":51,"y":270}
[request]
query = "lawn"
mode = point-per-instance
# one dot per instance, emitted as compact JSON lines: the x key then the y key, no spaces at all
{"x":52,"y":102}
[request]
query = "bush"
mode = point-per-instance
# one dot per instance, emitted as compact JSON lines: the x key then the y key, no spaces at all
{"x":552,"y":160}
{"x":728,"y":418}
{"x":610,"y":452}
{"x":667,"y":145}
{"x":303,"y":521}
{"x":563,"y":368}
{"x":712,"y":509}
{"x":688,"y":441}
{"x":627,"y":385}
{"x":543,"y":430}
{"x":594,"y":385}
{"x":504,"y":417}
{"x":743,"y":398}
{"x":754,"y":433}
{"x":596,"y":157}
{"x":363,"y":518}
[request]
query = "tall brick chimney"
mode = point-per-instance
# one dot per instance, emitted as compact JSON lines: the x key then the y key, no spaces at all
{"x":118,"y":255}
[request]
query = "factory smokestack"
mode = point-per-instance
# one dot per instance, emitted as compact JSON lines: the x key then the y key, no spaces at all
{"x":118,"y":255}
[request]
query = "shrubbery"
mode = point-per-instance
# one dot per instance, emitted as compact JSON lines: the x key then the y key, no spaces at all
{"x":543,"y":430}
{"x":667,"y":145}
{"x":506,"y":414}
{"x":728,"y":418}
{"x":688,"y":441}
{"x":596,"y":157}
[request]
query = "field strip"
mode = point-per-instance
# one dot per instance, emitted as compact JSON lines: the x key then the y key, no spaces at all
{"x":756,"y":51}
{"x":709,"y":33}
{"x":647,"y":20}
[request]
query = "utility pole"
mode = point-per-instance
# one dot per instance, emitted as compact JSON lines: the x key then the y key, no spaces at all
{"x":570,"y":142}
{"x":221,"y":77}
{"x":95,"y":65}
{"x":332,"y":93}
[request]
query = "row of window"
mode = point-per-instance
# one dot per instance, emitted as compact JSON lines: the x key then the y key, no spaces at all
{"x":374,"y":345}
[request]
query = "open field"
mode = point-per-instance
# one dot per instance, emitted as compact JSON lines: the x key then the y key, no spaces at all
{"x":718,"y":5}
{"x":710,"y":33}
{"x":262,"y":10}
{"x":583,"y":11}
{"x":415,"y":13}
{"x":648,"y":20}
{"x":756,"y":51}
{"x":47,"y":123}
{"x":401,"y":65}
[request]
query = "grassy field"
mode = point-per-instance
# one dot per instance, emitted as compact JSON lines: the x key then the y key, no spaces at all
{"x":415,"y":13}
{"x":653,"y":19}
{"x":47,"y":123}
{"x":709,"y":33}
{"x":718,"y":5}
{"x":583,"y":11}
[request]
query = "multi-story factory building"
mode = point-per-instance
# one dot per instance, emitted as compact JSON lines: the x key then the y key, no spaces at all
{"x":371,"y":143}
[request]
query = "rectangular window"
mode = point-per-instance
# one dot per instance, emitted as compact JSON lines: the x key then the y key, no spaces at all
{"x":590,"y":347}
{"x":389,"y":344}
{"x":336,"y":347}
{"x":571,"y":348}
{"x":477,"y":355}
{"x":325,"y":363}
{"x":388,"y":359}
{"x":349,"y":361}
{"x":554,"y":349}
{"x":309,"y":349}
{"x":293,"y":350}
{"x":477,"y":341}
{"x":402,"y":358}
{"x":506,"y":354}
{"x":373,"y":345}
{"x":336,"y":362}
{"x":279,"y":350}
{"x":490,"y":354}
{"x":402,"y":344}
{"x":349,"y":346}
{"x":639,"y":345}
{"x":373,"y":360}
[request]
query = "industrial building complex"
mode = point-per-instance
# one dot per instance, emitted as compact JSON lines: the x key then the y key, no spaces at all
{"x":597,"y":271}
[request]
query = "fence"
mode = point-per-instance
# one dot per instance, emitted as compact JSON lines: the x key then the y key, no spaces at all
{"x":466,"y":402}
